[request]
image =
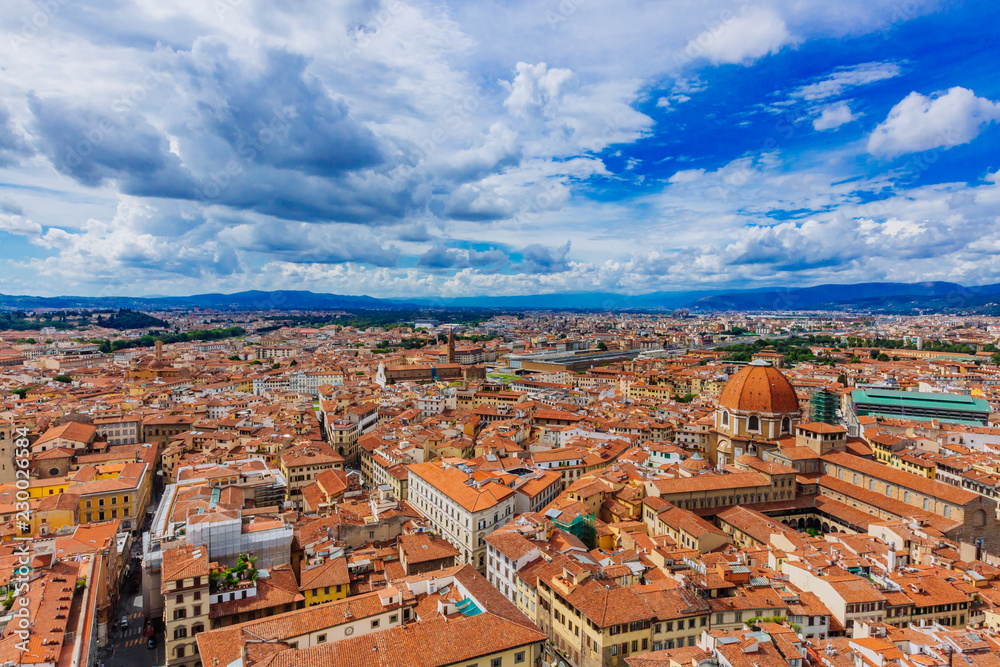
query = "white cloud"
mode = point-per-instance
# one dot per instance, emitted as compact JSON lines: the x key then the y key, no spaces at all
{"x":19,"y":226}
{"x":833,"y":116}
{"x":920,"y":123}
{"x":848,"y":77}
{"x":741,"y":39}
{"x":687,"y":176}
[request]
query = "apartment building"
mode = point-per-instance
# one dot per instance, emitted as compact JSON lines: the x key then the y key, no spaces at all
{"x":301,"y":463}
{"x":185,"y":591}
{"x":384,"y":628}
{"x":464,"y":506}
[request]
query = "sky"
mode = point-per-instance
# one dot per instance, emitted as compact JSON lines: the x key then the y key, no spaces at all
{"x":495,"y":147}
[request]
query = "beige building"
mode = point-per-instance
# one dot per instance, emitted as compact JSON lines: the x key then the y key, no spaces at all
{"x":462,"y":508}
{"x":185,"y":603}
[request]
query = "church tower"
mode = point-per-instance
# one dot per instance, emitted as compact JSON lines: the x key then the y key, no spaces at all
{"x":451,"y":345}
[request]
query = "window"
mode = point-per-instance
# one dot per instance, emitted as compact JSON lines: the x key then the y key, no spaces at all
{"x":519,"y":657}
{"x":496,"y":662}
{"x":374,"y":624}
{"x":927,"y":504}
{"x":320,"y":639}
{"x":871,"y":485}
{"x":906,"y":496}
{"x":753,"y":423}
{"x":179,"y":599}
{"x":947,"y":511}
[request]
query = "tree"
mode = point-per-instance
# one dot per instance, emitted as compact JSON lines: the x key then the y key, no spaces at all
{"x":873,"y":354}
{"x":602,"y":346}
{"x":842,"y":379}
{"x":62,"y":378}
{"x":883,"y":357}
{"x":294,"y":363}
{"x":855,"y":359}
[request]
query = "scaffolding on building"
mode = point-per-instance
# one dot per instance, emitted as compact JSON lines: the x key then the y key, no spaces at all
{"x":582,"y":527}
{"x":823,"y":406}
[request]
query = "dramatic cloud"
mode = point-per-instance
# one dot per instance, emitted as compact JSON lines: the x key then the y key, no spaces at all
{"x":405,"y":148}
{"x":920,"y":123}
{"x":440,"y":257}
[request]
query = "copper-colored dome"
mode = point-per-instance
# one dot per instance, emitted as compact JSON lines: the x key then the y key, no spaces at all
{"x":759,"y":387}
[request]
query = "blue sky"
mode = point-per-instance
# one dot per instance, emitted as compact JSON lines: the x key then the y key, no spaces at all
{"x":482,"y":148}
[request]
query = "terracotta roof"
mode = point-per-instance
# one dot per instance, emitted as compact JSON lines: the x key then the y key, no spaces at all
{"x":331,"y":572}
{"x":759,"y":387}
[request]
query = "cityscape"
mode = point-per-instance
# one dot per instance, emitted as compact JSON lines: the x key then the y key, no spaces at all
{"x":404,"y":333}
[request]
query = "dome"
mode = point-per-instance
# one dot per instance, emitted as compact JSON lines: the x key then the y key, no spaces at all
{"x":759,"y":387}
{"x":696,"y":462}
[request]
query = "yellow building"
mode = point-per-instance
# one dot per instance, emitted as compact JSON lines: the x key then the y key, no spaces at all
{"x":325,"y":581}
{"x":39,"y":488}
{"x":593,"y":624}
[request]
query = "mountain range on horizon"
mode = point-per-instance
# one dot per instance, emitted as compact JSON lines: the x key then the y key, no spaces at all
{"x":888,"y":297}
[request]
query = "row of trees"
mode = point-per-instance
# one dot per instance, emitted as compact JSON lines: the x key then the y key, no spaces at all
{"x":149,"y":340}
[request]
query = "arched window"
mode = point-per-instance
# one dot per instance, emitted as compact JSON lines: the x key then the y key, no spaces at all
{"x":753,"y":424}
{"x":786,"y":425}
{"x":725,"y":418}
{"x":979,"y":518}
{"x":947,"y":511}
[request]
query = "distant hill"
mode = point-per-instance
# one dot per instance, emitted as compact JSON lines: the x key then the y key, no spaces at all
{"x":873,"y":296}
{"x":883,"y":297}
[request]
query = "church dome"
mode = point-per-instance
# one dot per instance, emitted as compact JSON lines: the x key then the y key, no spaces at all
{"x":759,"y":387}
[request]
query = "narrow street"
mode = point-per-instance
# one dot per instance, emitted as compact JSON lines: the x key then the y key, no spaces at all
{"x":128,"y":646}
